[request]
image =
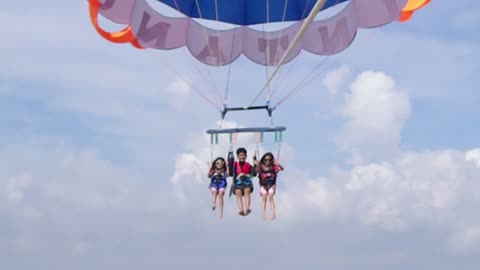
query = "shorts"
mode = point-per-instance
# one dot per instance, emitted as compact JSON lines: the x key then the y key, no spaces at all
{"x":218,"y":185}
{"x":267,"y":190}
{"x":242,"y":185}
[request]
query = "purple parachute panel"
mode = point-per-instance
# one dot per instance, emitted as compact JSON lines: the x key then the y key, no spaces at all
{"x":118,"y":11}
{"x":220,"y":47}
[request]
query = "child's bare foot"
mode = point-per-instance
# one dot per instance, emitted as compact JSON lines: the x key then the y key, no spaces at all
{"x":272,"y":217}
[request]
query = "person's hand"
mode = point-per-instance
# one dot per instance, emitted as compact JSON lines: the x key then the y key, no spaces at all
{"x":209,"y":164}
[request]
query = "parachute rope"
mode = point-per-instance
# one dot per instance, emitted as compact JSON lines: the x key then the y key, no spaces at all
{"x":209,"y":75}
{"x":228,"y":75}
{"x":318,"y":5}
{"x":308,"y":80}
{"x":267,"y":54}
{"x":206,"y":40}
{"x":227,"y":83}
{"x":267,"y":60}
{"x":300,"y":85}
{"x":171,"y":68}
{"x":270,"y":92}
{"x":281,"y":77}
{"x":277,"y":58}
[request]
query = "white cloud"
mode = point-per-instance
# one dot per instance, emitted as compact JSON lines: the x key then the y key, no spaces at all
{"x":15,"y":188}
{"x":191,"y":166}
{"x":433,"y":189}
{"x":376,"y":112}
{"x":335,"y":79}
{"x":437,"y":190}
{"x":80,"y":247}
{"x":387,"y":189}
{"x":189,"y":170}
{"x":61,"y":178}
{"x":421,"y":62}
{"x":466,"y":241}
{"x":179,"y":90}
{"x":473,"y":156}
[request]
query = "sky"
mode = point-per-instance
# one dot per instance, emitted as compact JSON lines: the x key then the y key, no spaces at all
{"x":103,"y":150}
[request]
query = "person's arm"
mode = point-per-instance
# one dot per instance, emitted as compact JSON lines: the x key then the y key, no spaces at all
{"x":233,"y":168}
{"x":253,"y":171}
{"x":209,"y":165}
{"x":231,"y":163}
{"x":280,"y":167}
{"x":256,"y":168}
{"x":256,"y":165}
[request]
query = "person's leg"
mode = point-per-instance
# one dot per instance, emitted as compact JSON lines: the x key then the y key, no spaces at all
{"x":263,"y":194}
{"x":247,"y":200}
{"x":221,"y":193}
{"x":214,"y":197}
{"x":238,"y":193}
{"x":271,"y":194}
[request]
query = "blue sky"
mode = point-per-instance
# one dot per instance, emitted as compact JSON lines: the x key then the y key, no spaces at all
{"x":103,"y":150}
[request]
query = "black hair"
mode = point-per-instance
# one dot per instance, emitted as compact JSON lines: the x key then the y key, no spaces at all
{"x":217,"y":159}
{"x":241,"y":150}
{"x":262,"y":160}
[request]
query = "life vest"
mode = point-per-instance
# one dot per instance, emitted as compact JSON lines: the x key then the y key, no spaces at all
{"x":242,"y":174}
{"x":218,"y":177}
{"x":242,"y":170}
{"x":268,"y":177}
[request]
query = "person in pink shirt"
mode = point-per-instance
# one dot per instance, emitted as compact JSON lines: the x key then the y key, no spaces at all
{"x":267,"y":171}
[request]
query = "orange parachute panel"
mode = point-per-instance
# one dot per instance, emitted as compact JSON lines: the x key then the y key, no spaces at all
{"x":123,"y":36}
{"x":410,"y":7}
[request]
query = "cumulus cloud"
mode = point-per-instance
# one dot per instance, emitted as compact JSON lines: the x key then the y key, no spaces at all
{"x":376,"y":112}
{"x":179,"y":90}
{"x":15,"y":188}
{"x":412,"y":190}
{"x":335,"y":79}
{"x":473,"y":156}
{"x":385,"y":188}
{"x":466,"y":241}
{"x":191,"y":167}
{"x":46,"y":180}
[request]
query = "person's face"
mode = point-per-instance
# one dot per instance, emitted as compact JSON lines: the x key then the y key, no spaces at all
{"x":267,"y":160}
{"x":242,"y":156}
{"x":219,"y":164}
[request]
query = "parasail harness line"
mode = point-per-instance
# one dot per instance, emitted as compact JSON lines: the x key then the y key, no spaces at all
{"x":259,"y":131}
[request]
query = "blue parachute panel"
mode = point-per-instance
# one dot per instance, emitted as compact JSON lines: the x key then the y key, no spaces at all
{"x":247,"y":12}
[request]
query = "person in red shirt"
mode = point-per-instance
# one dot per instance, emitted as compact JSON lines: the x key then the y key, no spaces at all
{"x":242,"y":181}
{"x":267,"y":172}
